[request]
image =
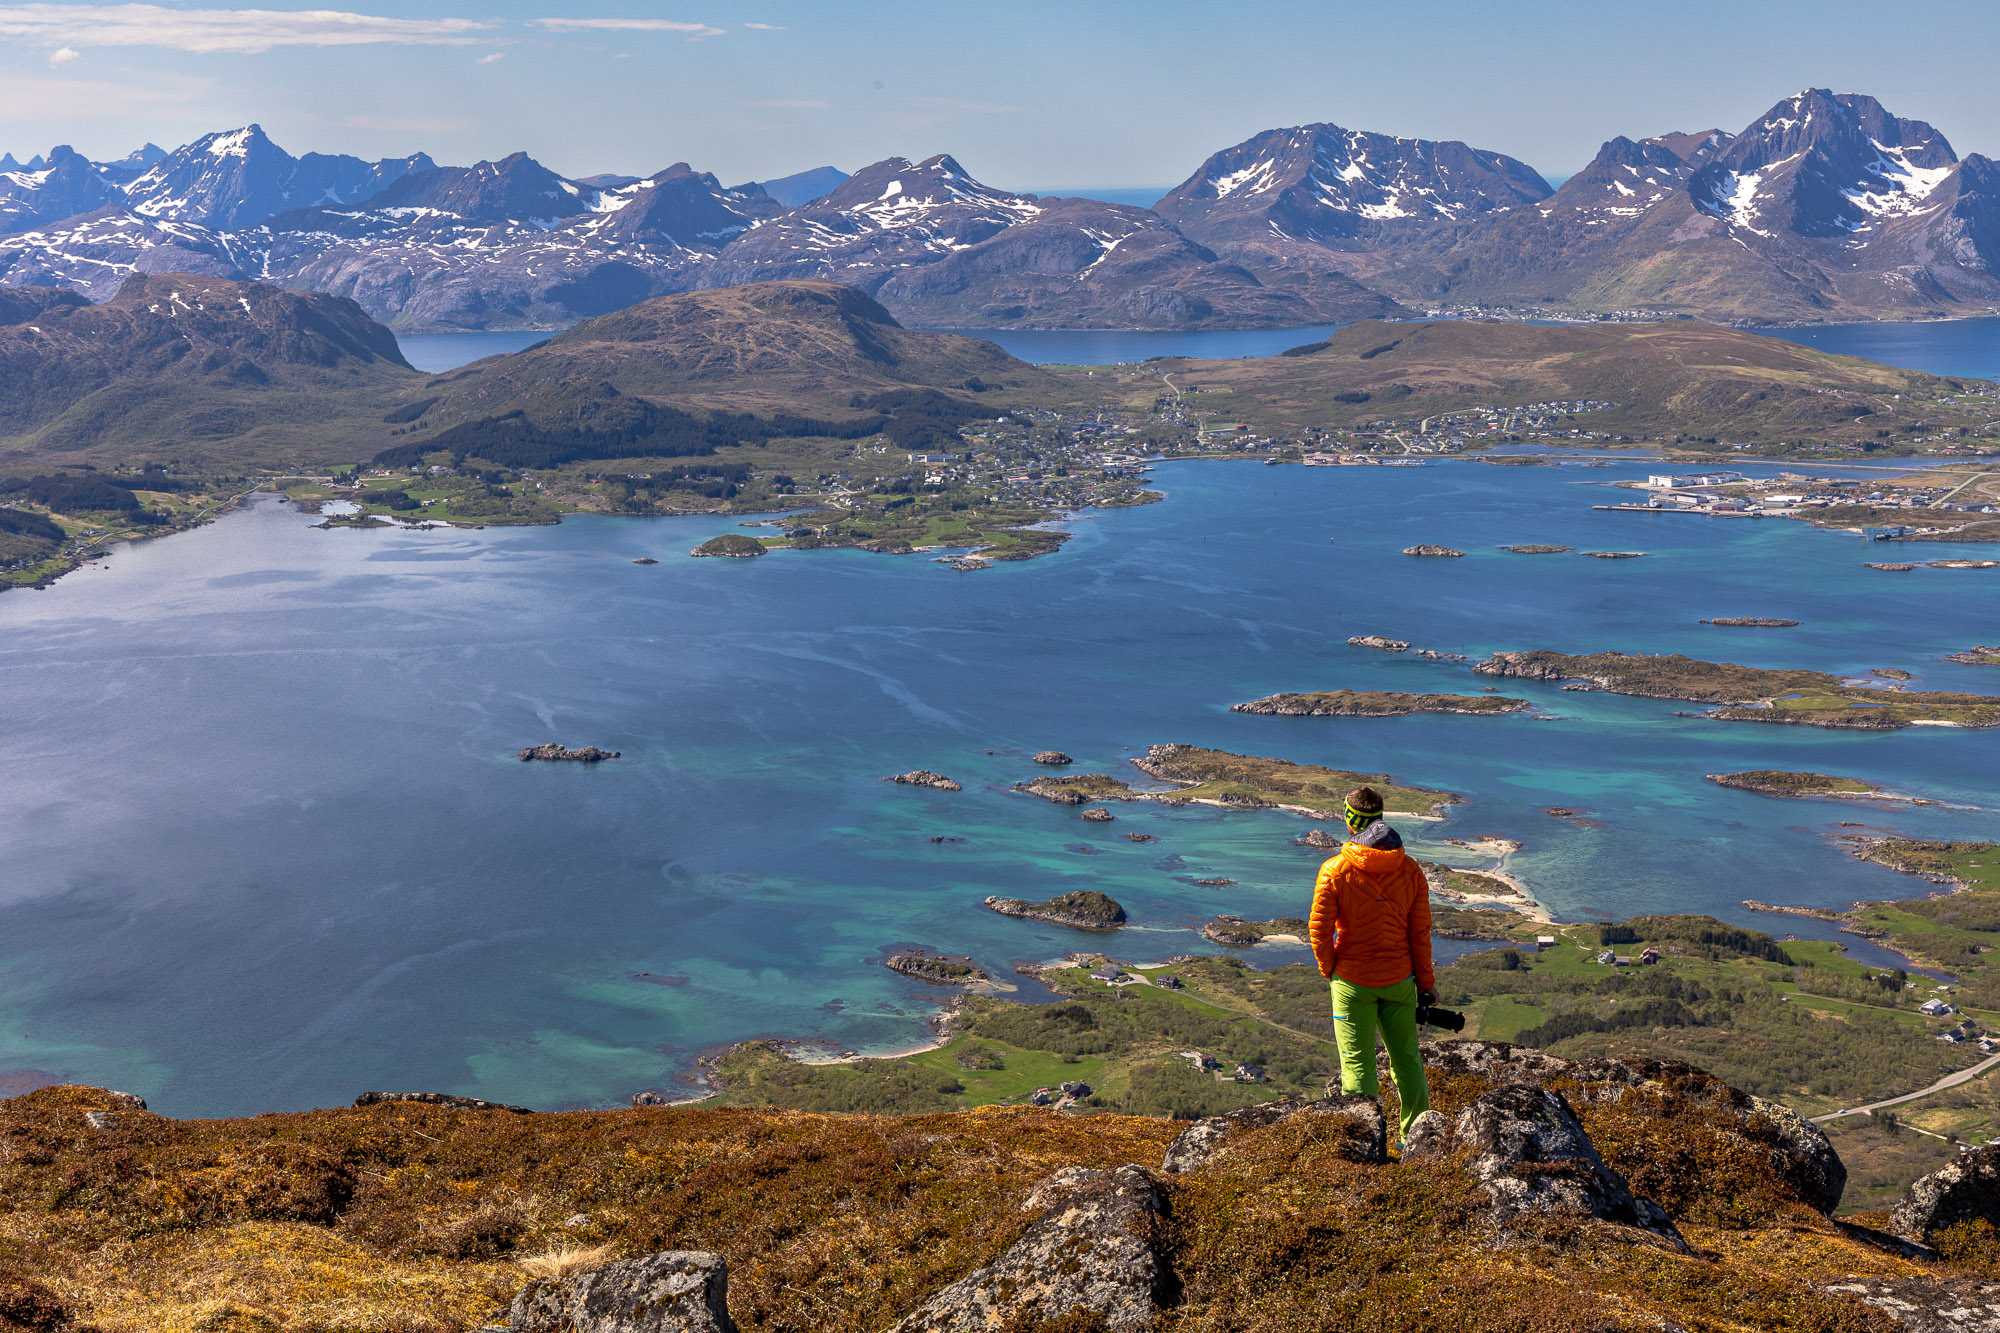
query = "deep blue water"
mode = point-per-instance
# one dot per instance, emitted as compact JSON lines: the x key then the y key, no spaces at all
{"x":268,"y":845}
{"x":1950,"y":347}
{"x":1955,"y":347}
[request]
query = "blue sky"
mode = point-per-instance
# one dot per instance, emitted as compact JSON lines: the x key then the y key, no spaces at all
{"x":1026,"y":94}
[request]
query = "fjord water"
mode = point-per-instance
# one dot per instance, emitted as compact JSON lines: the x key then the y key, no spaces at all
{"x":268,"y":845}
{"x":1951,"y":347}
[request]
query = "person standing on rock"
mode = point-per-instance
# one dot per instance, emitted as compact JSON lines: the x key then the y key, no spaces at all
{"x":1371,"y":936}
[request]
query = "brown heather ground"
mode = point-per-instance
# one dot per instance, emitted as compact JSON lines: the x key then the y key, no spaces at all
{"x":416,"y":1219}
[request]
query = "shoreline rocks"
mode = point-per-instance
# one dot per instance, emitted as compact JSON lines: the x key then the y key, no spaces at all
{"x":1084,"y":909}
{"x":923,"y":777}
{"x":1750,"y":622}
{"x":937,"y":969}
{"x":1233,"y":932}
{"x":1376,"y":703}
{"x":552,"y":753}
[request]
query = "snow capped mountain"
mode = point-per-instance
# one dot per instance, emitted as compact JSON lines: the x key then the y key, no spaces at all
{"x":884,"y":217}
{"x":1331,"y":185}
{"x":239,"y":178}
{"x":679,"y":205}
{"x":95,"y":252}
{"x":65,"y":185}
{"x":1820,"y":164}
{"x":1083,"y":263}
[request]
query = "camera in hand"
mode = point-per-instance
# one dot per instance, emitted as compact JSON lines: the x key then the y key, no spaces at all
{"x":1433,"y":1017}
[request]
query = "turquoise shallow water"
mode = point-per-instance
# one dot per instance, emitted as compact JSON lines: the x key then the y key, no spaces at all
{"x":267,"y":844}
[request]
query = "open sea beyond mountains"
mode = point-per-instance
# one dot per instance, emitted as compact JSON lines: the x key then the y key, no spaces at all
{"x":269,"y":844}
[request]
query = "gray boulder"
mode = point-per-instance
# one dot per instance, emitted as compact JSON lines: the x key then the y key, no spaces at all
{"x":1928,"y":1305}
{"x":1798,"y":1151}
{"x":1966,"y":1189}
{"x":680,"y":1291}
{"x":1358,"y":1119}
{"x":1528,"y":1149}
{"x":1095,"y":1250}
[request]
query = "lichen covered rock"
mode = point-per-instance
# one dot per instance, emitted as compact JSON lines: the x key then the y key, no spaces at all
{"x":1963,"y":1190}
{"x":1092,"y":1256}
{"x":1358,"y":1121}
{"x":679,"y":1291}
{"x":1527,"y":1148}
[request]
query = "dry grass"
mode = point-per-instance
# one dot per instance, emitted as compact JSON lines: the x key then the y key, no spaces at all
{"x":564,"y":1260}
{"x":417,"y":1219}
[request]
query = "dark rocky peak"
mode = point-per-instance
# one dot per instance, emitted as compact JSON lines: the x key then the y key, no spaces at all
{"x":1693,"y":146}
{"x":19,"y":305}
{"x":515,"y":189}
{"x":65,"y":185}
{"x":682,"y":206}
{"x":1836,"y":125}
{"x":229,"y":178}
{"x":896,"y":187}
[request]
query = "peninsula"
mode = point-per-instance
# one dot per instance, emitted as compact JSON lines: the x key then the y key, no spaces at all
{"x":1751,"y":694}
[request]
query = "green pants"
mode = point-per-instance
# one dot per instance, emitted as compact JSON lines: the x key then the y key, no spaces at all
{"x":1358,"y":1013}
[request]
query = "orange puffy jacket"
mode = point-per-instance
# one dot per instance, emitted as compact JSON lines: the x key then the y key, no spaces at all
{"x":1371,"y":917}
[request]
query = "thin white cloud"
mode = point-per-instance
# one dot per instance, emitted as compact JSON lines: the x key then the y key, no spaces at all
{"x":790,"y":104}
{"x":492,"y":57}
{"x":224,"y":31}
{"x":694,"y":32}
{"x":765,"y":27}
{"x":64,"y":55}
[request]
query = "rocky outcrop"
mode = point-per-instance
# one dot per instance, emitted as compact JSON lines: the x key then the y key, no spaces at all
{"x":1723,"y":1122}
{"x":1233,"y":932}
{"x":1097,"y":814}
{"x":1093,"y":1258}
{"x":1053,"y":758}
{"x":680,"y":1291}
{"x":552,"y":753}
{"x":1614,"y":555}
{"x":923,"y":777}
{"x":1085,"y":909}
{"x":731,"y":546}
{"x":1434,"y":551}
{"x":1750,"y":622}
{"x":1320,"y":838}
{"x":1982,"y":655}
{"x":445,"y":1099}
{"x":1380,"y":643}
{"x":1357,"y":1121}
{"x":1536,"y":548}
{"x":1928,"y":1304}
{"x":937,"y":969}
{"x":1965,"y":1189}
{"x":1530,"y":1152}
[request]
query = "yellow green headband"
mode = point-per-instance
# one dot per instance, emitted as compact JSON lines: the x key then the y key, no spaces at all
{"x":1359,"y":818}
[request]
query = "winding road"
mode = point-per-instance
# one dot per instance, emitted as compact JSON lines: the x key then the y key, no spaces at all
{"x":1948,"y":1081}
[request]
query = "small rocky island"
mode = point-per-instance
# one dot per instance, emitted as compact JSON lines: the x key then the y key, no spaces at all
{"x":1233,"y":932}
{"x":1053,"y":758}
{"x":1801,"y":785}
{"x":1536,"y":548}
{"x":645,"y":560}
{"x":1097,"y":814}
{"x":1084,"y":909}
{"x":923,"y":777}
{"x":937,"y":969}
{"x":1984,"y":655}
{"x":732,"y":546}
{"x":1433,"y":551}
{"x":1750,"y":622}
{"x":1751,"y":694}
{"x":1201,"y":776}
{"x":553,"y":753}
{"x":1614,"y":555}
{"x":1376,"y":703}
